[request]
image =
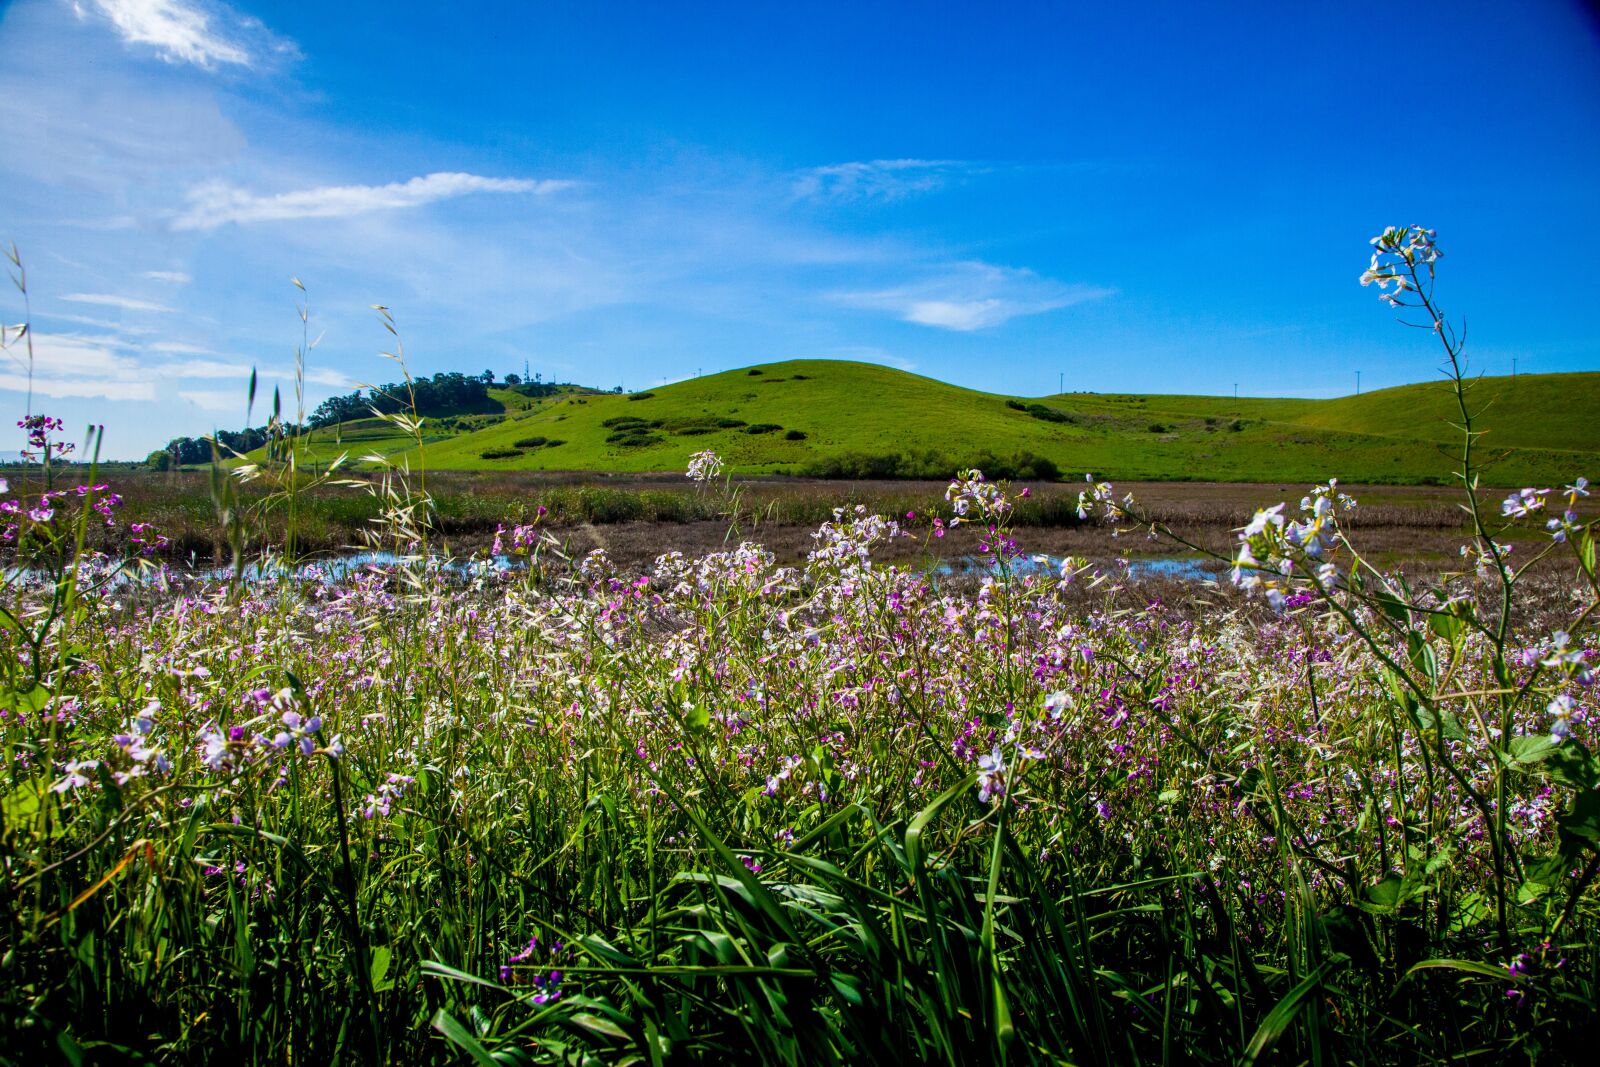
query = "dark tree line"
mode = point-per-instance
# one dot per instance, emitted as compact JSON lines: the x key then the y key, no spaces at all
{"x":183,"y":450}
{"x":446,"y":393}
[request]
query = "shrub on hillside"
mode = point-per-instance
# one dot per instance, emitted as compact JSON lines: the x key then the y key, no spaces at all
{"x":932,"y":465}
{"x":1040,"y":411}
{"x":634,"y":438}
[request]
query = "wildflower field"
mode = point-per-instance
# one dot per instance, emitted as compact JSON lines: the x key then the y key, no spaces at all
{"x":553,"y":809}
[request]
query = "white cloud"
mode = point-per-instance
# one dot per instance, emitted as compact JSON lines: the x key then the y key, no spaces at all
{"x":216,"y":203}
{"x":217,"y":400}
{"x":869,"y":354}
{"x":126,"y":303}
{"x":214,"y":369}
{"x":208,"y":35}
{"x":89,"y":367}
{"x":176,"y":277}
{"x":87,"y":320}
{"x":180,"y":348}
{"x":973,"y":296}
{"x":877,"y":179}
{"x":75,"y":367}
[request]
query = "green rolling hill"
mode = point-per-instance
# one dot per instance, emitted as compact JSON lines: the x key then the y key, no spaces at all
{"x":833,"y":417}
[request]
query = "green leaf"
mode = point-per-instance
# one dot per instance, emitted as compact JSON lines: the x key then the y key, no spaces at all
{"x":1574,"y":765}
{"x":70,"y":1049}
{"x":919,"y":825}
{"x":1530,"y":749}
{"x":1394,"y":608}
{"x":598,"y":1025}
{"x":29,"y":701}
{"x":382,"y":956}
{"x":1584,"y":818}
{"x":1421,"y":655}
{"x":1472,"y":967}
{"x":1402,"y":695}
{"x":848,"y":987}
{"x":1568,"y":762}
{"x":443,"y":970}
{"x":1279,"y":1018}
{"x":460,"y":1036}
{"x":1385,"y":895}
{"x":1448,"y":627}
{"x":21,"y":805}
{"x":1447,"y":722}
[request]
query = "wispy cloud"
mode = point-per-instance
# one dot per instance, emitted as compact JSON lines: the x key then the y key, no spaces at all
{"x":79,"y":367}
{"x":216,"y":203}
{"x":126,"y":303}
{"x":973,"y":296}
{"x":219,"y":369}
{"x":877,"y":179}
{"x":869,"y":354}
{"x":207,"y":35}
{"x":176,"y":277}
{"x":106,"y":368}
{"x":89,"y":320}
{"x":214,"y":400}
{"x":180,"y":348}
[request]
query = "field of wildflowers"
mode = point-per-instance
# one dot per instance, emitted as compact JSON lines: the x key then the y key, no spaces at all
{"x":726,"y":809}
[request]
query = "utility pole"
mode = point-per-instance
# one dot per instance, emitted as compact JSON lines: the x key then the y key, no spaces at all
{"x":1236,"y":390}
{"x":1061,"y":382}
{"x":1513,"y":366}
{"x":1358,"y":383}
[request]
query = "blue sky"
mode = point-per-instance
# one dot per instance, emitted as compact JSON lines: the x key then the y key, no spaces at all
{"x":1174,"y":200}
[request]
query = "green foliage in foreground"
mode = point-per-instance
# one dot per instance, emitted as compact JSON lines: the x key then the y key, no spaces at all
{"x":752,"y":814}
{"x":861,"y":417}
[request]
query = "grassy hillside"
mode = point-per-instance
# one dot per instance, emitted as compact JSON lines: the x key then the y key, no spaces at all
{"x":799,"y":416}
{"x":362,"y":437}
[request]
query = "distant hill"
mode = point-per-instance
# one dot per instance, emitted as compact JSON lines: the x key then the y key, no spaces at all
{"x":826,"y":417}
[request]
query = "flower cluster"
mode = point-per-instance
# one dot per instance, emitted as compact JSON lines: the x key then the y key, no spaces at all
{"x":226,"y":751}
{"x":704,"y":466}
{"x":39,"y":428}
{"x":1100,"y":501}
{"x":972,"y":497}
{"x":53,"y":511}
{"x":392,"y":789}
{"x":1524,"y":503}
{"x":1274,"y":551}
{"x":535,"y":966}
{"x":1398,"y":254}
{"x":136,"y":742}
{"x":1529,"y":502}
{"x":520,"y":538}
{"x":851,"y":536}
